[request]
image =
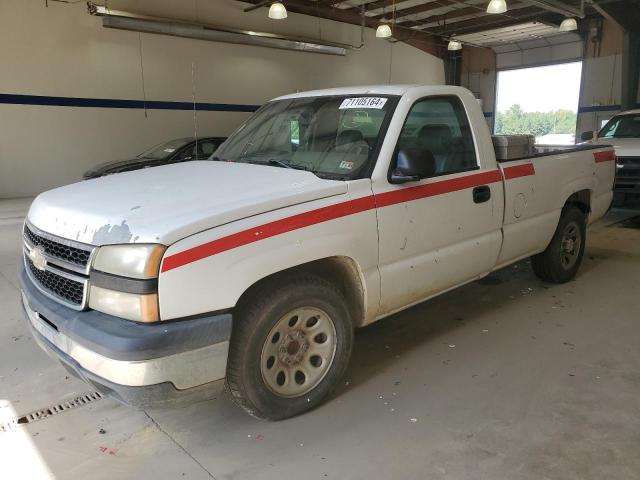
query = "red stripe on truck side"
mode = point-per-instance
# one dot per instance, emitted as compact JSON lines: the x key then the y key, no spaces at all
{"x":606,"y":156}
{"x":517,"y":171}
{"x":267,"y":230}
{"x":325,"y":214}
{"x":437,"y":188}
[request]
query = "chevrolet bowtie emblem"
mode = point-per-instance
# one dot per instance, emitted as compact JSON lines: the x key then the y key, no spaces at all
{"x":37,"y":258}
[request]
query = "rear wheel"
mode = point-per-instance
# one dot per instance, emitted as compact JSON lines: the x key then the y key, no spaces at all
{"x":560,"y":261}
{"x":290,"y":346}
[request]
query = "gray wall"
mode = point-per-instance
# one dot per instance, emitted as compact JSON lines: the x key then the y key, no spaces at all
{"x":61,"y":51}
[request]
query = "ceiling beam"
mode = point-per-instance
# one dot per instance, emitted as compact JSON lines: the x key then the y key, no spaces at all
{"x":440,"y":19}
{"x":453,"y":16}
{"x":558,"y":7}
{"x":424,"y":7}
{"x":424,"y":41}
{"x":386,"y":6}
{"x":625,"y":14}
{"x":487,"y":22}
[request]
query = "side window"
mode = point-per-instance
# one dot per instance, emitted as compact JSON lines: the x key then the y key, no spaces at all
{"x":439,"y":125}
{"x":206,"y":148}
{"x":188,"y":153}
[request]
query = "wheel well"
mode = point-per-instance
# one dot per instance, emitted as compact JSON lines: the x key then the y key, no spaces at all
{"x":581,"y":199}
{"x":343,"y":272}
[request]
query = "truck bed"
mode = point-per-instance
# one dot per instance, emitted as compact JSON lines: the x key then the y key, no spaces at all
{"x":536,"y":187}
{"x":562,"y":151}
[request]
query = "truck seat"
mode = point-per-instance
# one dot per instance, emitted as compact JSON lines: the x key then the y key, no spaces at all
{"x":436,"y":139}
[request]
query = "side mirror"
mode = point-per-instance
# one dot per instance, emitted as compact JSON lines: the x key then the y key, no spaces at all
{"x":413,"y":164}
{"x":586,"y":136}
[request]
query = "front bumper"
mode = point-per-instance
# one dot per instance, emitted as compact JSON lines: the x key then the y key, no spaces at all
{"x":139,"y":364}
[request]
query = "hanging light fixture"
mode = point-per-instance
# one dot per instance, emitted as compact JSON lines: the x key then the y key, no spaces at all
{"x":277,"y":11}
{"x":568,"y":25}
{"x":454,"y":44}
{"x":383,"y":31}
{"x":497,"y":6}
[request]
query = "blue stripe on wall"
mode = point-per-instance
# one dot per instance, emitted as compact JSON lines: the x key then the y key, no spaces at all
{"x":8,"y":98}
{"x":602,"y":108}
{"x":599,"y":108}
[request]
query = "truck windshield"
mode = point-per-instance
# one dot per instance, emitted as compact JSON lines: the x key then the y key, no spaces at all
{"x":622,"y":126}
{"x":334,"y":137}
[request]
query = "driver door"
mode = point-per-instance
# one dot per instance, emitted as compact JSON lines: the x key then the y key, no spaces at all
{"x":441,"y":231}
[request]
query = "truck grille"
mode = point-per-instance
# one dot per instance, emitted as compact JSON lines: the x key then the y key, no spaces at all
{"x":58,"y":267}
{"x":627,"y":173}
{"x":66,"y":289}
{"x":629,"y":161}
{"x":57,"y":250}
{"x":628,"y":166}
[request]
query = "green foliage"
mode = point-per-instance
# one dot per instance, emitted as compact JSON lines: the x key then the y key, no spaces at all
{"x":295,"y":132}
{"x":517,"y":121}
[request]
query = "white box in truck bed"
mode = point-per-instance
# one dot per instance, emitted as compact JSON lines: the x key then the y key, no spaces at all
{"x":508,"y":147}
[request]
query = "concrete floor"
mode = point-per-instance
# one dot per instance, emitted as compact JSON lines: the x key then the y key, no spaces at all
{"x":506,"y":378}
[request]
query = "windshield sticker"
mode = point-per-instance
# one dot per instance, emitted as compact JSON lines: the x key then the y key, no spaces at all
{"x":363,"y":102}
{"x":169,"y":150}
{"x":346,"y":165}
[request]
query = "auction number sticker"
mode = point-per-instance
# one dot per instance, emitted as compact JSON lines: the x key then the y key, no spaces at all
{"x":363,"y":102}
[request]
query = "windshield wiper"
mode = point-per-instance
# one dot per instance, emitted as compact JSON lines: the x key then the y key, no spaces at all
{"x":272,"y":161}
{"x":280,"y":163}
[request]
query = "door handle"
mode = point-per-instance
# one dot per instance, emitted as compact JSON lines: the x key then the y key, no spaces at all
{"x":481,"y":194}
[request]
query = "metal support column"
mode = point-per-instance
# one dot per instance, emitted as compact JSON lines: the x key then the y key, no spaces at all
{"x":630,"y":69}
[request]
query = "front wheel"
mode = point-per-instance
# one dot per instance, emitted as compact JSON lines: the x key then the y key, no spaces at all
{"x":290,"y":345}
{"x":559,"y":263}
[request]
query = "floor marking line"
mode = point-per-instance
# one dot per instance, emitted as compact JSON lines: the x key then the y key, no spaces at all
{"x":184,"y":450}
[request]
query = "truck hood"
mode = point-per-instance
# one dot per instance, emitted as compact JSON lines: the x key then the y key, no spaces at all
{"x":167,"y":203}
{"x":624,"y":147}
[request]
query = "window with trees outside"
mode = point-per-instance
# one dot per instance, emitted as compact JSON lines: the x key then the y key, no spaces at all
{"x":540,"y":101}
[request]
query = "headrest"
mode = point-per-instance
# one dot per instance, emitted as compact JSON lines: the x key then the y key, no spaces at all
{"x":436,"y":130}
{"x":349,"y":136}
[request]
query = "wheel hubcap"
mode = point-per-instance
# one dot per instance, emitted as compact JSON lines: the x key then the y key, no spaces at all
{"x":570,"y":245}
{"x":293,"y":347}
{"x":298,"y":352}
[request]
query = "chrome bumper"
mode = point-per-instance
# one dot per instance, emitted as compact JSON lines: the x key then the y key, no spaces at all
{"x":184,"y":370}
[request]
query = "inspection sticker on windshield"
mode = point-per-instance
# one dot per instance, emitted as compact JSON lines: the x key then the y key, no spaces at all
{"x":363,"y":102}
{"x":346,"y":165}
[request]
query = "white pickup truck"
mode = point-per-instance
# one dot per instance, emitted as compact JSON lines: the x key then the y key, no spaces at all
{"x":323,"y":212}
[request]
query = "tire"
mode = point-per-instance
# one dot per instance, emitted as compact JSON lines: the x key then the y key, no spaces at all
{"x":561,"y":260}
{"x":281,"y":361}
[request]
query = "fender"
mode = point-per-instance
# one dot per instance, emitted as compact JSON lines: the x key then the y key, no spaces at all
{"x":192,"y":289}
{"x":574,"y":187}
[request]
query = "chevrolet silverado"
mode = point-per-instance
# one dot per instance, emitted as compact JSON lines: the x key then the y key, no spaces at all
{"x":324,"y":212}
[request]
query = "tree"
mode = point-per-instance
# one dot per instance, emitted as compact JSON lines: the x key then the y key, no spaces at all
{"x":516,"y":121}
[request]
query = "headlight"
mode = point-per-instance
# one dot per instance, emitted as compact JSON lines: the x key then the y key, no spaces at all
{"x":123,"y":281}
{"x":132,"y":306}
{"x":130,"y":260}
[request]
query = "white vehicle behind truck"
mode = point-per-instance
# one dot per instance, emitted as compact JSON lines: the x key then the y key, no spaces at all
{"x":623,"y":133}
{"x":324,"y":212}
